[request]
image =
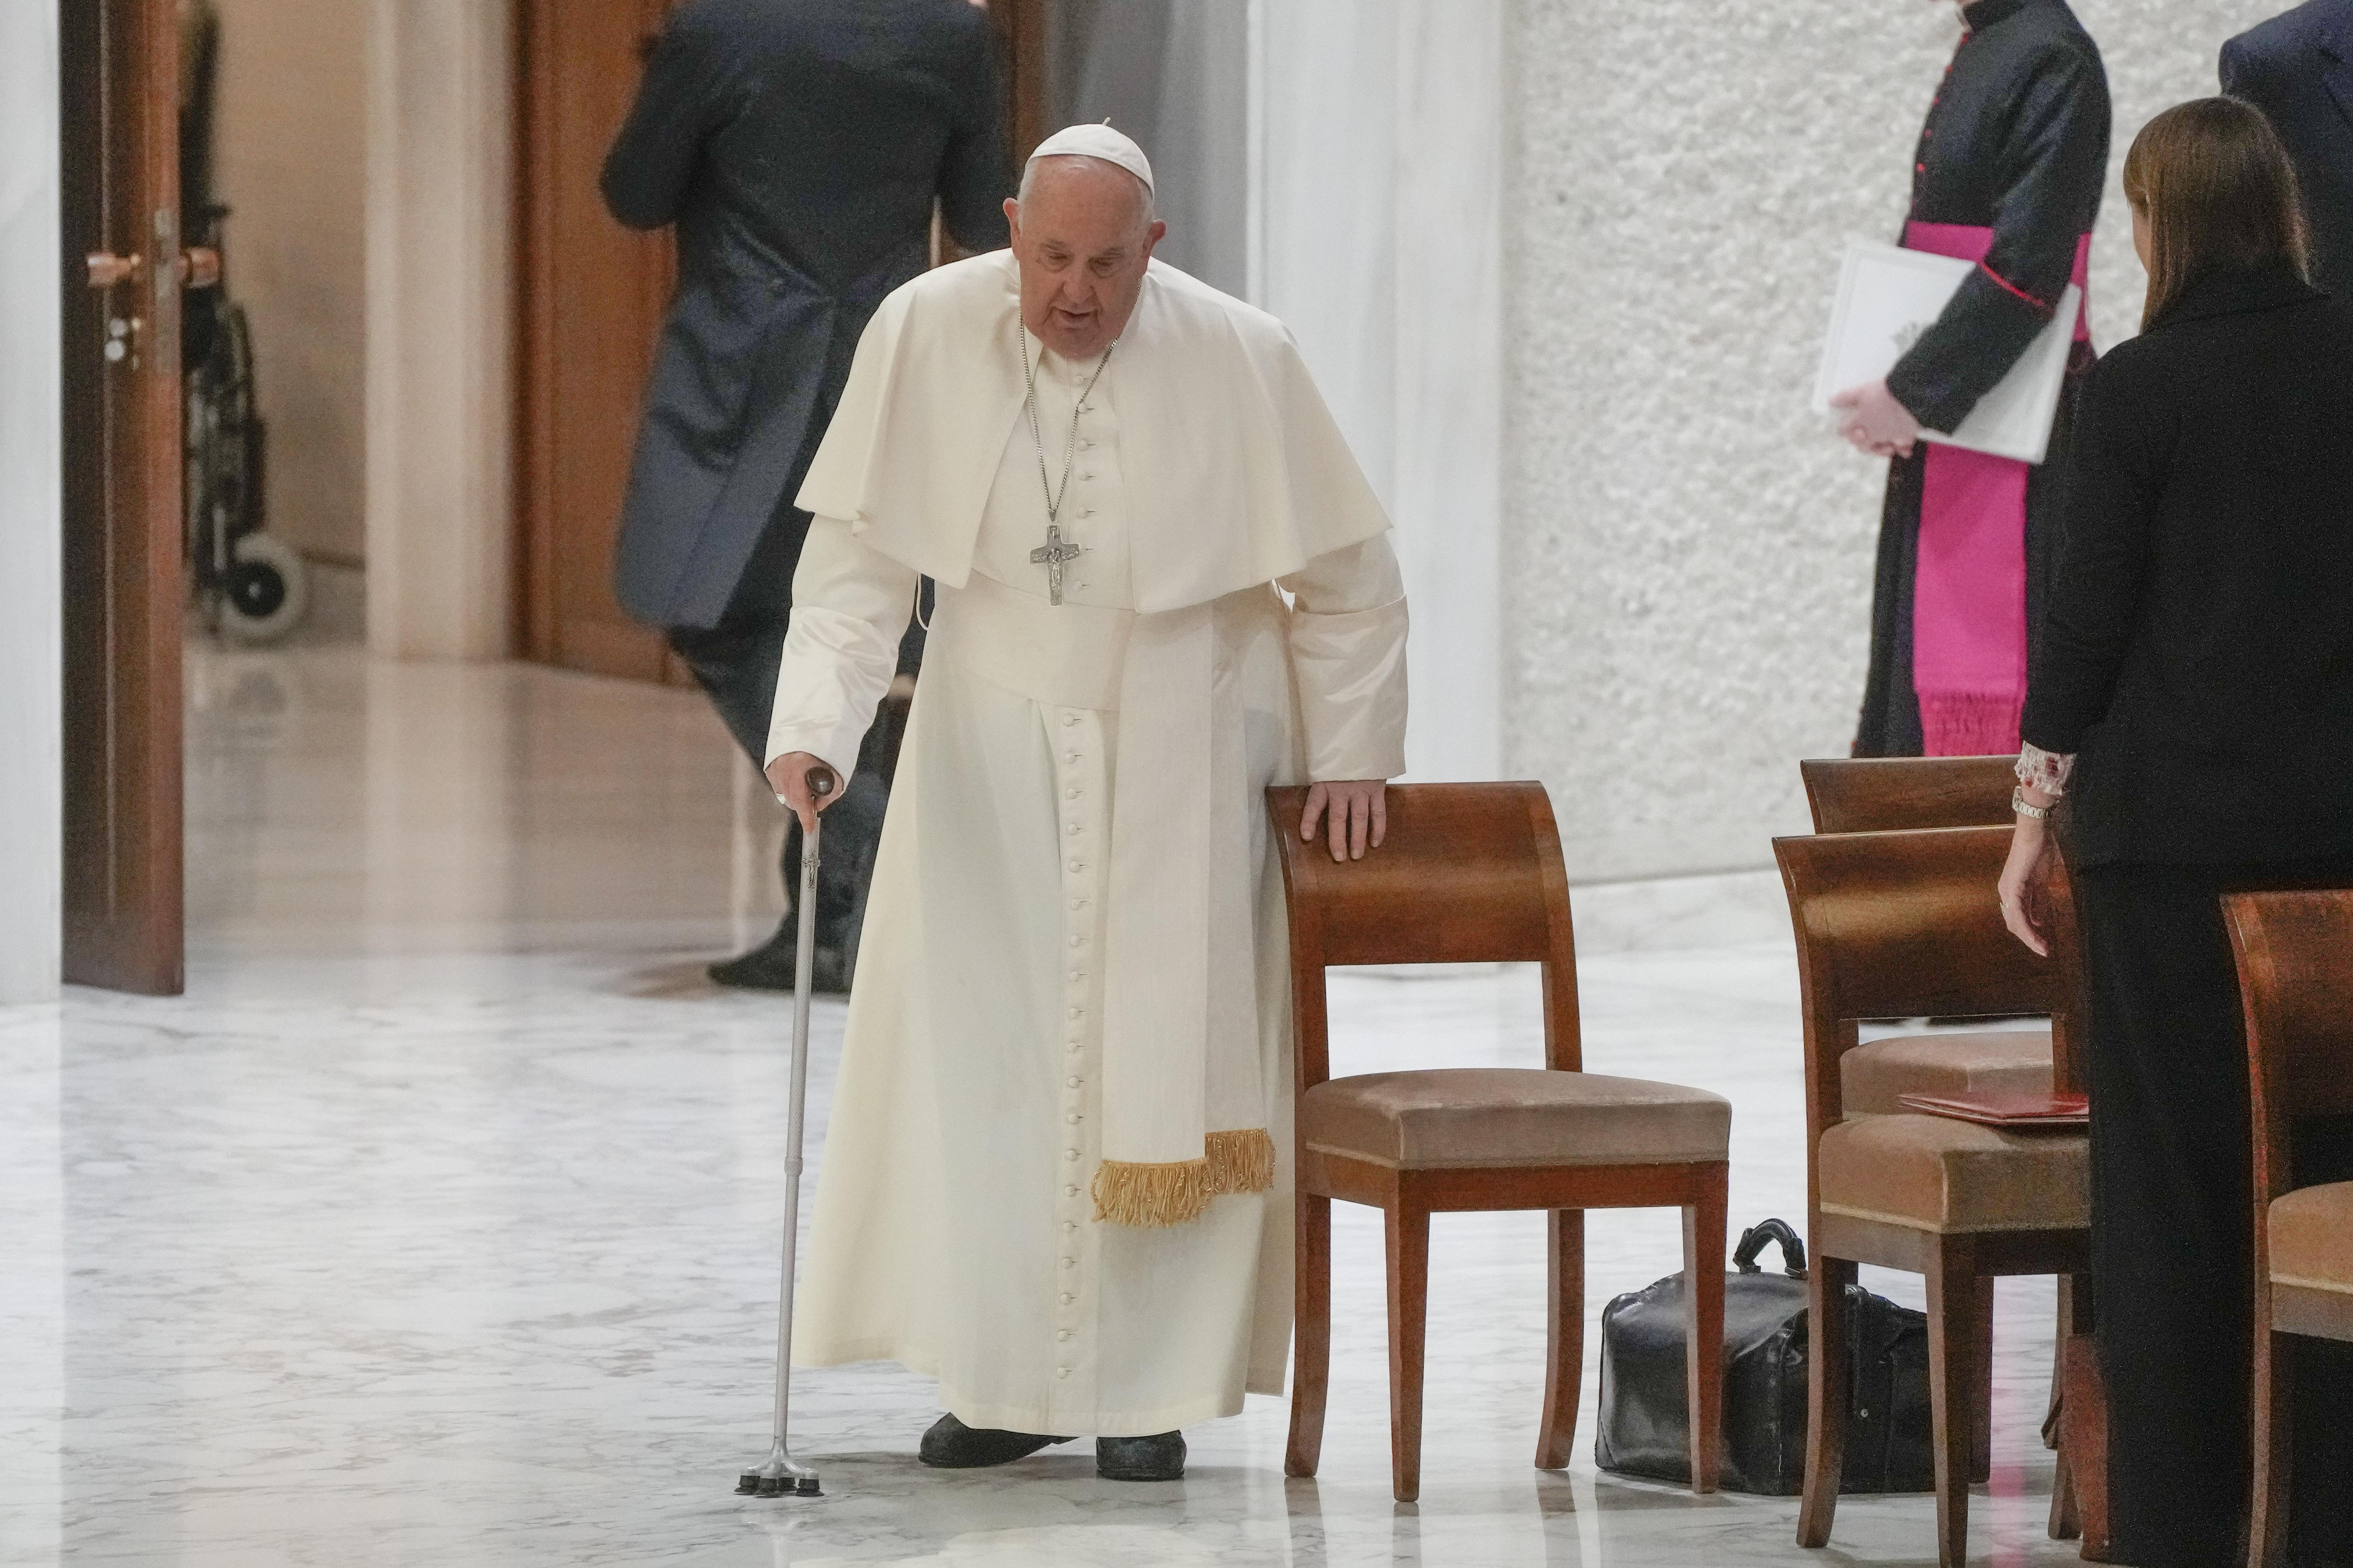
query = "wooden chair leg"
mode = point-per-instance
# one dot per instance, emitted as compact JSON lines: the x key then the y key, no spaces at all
{"x":1703,"y":1332}
{"x":2065,"y":1522}
{"x":1565,"y":1338}
{"x":1830,"y":1376}
{"x":1409,"y":1261}
{"x":2084,"y":1438}
{"x":2066,"y":1493}
{"x":1982,"y":1368}
{"x":2058,"y":1359}
{"x":2267,"y":1531}
{"x":1311,"y":1340}
{"x":1952,"y":1385}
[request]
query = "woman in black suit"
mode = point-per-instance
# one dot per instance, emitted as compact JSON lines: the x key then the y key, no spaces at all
{"x":2194,"y":698}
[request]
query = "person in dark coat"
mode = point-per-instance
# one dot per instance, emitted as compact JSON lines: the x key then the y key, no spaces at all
{"x":2298,"y":69}
{"x":2193,"y":700}
{"x":798,"y":147}
{"x":2009,"y":174}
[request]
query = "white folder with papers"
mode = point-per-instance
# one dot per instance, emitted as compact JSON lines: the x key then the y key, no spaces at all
{"x":1889,"y":296}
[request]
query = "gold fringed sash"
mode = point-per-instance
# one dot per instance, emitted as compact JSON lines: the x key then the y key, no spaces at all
{"x":1179,"y":1192}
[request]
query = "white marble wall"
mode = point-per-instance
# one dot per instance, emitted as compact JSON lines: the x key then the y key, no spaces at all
{"x":440,"y":526}
{"x":30,"y":758}
{"x":1687,"y":554}
{"x":1377,"y":148}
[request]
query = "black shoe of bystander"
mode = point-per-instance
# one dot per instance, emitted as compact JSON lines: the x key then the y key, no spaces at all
{"x":769,"y":967}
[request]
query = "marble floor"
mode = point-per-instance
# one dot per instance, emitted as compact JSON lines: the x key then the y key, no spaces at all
{"x":436,"y":1224}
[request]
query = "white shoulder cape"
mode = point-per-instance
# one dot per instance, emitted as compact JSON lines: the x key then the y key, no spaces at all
{"x":1235,"y":472}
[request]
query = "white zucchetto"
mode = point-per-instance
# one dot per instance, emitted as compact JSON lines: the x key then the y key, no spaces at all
{"x":1097,"y":141}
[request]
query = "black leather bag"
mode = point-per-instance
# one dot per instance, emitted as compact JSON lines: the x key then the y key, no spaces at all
{"x":1644,"y":1423}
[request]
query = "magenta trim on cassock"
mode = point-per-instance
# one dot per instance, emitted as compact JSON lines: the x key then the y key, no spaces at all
{"x":1968,"y":589}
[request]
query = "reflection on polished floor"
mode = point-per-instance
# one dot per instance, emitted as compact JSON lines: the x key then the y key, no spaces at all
{"x":436,"y":1224}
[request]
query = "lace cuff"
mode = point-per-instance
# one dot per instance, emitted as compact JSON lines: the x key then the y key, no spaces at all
{"x":2045,"y":771}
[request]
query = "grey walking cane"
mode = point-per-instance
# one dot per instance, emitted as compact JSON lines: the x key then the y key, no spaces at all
{"x":782,"y":1474}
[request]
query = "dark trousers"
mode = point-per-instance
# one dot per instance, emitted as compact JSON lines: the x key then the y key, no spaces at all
{"x":736,"y":663}
{"x":2172,"y":1236}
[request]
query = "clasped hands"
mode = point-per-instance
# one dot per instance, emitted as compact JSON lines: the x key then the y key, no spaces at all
{"x":1875,"y":422}
{"x":1357,"y":810}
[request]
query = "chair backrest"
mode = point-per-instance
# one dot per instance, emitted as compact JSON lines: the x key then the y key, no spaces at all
{"x":1883,"y":795}
{"x":1468,"y":873}
{"x":1903,"y":925}
{"x":2295,"y":952}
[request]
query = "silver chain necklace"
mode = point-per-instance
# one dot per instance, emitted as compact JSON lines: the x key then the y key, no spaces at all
{"x":1054,"y":554}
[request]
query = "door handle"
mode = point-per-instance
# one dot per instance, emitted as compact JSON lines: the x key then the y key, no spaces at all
{"x":200,"y":267}
{"x":106,"y":269}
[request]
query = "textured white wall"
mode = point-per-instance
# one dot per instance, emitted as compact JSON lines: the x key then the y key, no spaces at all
{"x":1687,"y":553}
{"x":31,"y":759}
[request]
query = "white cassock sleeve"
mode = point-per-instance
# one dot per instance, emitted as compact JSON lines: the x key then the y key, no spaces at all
{"x":850,"y":608}
{"x":1347,"y":652}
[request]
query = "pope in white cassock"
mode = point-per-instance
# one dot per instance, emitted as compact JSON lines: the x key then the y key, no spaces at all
{"x":1057,"y":1174}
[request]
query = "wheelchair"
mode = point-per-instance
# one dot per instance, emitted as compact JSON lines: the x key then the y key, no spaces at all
{"x":248,"y":585}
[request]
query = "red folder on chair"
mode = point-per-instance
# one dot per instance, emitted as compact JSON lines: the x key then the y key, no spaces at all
{"x":2005,"y":1110}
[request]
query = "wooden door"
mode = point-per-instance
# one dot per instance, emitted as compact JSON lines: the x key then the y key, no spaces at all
{"x":591,"y":301}
{"x":593,"y":298}
{"x":118,"y":116}
{"x":1022,"y":73}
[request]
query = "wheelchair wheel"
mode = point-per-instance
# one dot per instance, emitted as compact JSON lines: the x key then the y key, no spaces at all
{"x":266,"y":591}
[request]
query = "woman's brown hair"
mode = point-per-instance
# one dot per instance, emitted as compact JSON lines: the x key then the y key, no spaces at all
{"x":2219,"y":192}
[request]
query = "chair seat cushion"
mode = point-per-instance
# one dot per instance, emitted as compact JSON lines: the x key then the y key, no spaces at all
{"x":1932,"y":1173}
{"x":1453,"y":1117}
{"x":2312,"y":1237}
{"x":1873,"y":1075}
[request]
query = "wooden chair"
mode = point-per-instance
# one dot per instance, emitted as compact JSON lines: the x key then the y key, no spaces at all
{"x":1899,"y":925}
{"x":1885,"y":794}
{"x":1472,"y":873}
{"x":2296,"y":977}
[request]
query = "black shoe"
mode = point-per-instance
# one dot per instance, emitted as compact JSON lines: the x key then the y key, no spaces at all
{"x":951,"y":1444}
{"x":1158,"y":1458}
{"x":769,"y":967}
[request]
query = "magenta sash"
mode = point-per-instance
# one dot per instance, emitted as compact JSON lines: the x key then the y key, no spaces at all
{"x":1968,"y":590}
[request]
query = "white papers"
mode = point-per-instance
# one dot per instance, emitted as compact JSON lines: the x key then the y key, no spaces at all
{"x":1889,"y":296}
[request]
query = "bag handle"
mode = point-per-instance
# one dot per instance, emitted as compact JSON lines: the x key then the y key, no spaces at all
{"x":1752,"y":1243}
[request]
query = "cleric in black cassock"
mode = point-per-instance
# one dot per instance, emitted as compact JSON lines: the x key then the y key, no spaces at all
{"x":2009,"y":174}
{"x":799,"y":150}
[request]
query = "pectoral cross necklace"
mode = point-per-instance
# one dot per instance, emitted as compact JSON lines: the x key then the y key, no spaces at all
{"x":1055,"y":553}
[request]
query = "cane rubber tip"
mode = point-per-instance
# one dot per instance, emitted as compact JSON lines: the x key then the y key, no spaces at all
{"x":747,"y":1485}
{"x":807,"y":1486}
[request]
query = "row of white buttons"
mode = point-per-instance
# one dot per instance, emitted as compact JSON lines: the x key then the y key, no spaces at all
{"x":1074,"y":831}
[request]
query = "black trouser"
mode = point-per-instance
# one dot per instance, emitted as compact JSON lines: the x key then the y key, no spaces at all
{"x":736,"y":663}
{"x":2172,"y":1238}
